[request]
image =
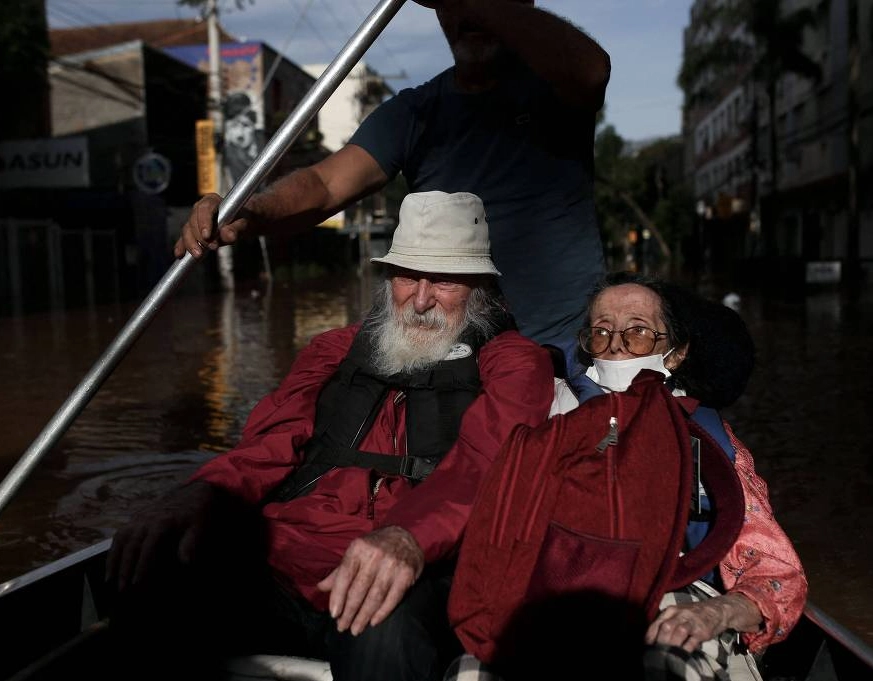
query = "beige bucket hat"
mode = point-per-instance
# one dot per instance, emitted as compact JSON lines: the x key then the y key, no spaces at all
{"x":441,"y":233}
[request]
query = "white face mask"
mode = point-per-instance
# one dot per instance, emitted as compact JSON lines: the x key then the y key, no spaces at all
{"x":616,"y":375}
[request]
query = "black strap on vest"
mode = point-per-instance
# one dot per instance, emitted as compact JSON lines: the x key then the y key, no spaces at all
{"x":415,"y":468}
{"x":436,"y":400}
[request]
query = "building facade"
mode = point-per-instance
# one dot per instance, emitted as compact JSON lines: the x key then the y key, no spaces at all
{"x":94,"y":205}
{"x":807,"y":221}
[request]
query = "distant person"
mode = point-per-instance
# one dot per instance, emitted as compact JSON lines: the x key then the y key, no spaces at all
{"x":356,"y":475}
{"x":703,"y":352}
{"x":512,"y":121}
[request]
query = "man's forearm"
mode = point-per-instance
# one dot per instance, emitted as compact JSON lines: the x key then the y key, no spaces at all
{"x":292,"y":204}
{"x":563,"y":55}
{"x":308,"y":196}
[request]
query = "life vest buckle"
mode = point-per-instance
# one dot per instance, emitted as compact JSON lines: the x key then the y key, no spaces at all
{"x":417,"y":468}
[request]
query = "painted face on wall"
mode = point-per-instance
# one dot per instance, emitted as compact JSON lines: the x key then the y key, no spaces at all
{"x":240,"y":130}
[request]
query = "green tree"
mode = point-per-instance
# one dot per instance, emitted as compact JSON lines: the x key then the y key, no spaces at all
{"x":621,"y":190}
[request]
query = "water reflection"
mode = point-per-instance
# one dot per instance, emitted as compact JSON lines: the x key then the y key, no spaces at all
{"x":806,"y":416}
{"x":181,"y":395}
{"x":185,"y":389}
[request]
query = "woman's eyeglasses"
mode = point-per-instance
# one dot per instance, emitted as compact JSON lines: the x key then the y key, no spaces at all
{"x":637,"y":340}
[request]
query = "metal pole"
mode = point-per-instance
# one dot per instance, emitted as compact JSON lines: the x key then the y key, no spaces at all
{"x":840,"y":634}
{"x":326,"y":84}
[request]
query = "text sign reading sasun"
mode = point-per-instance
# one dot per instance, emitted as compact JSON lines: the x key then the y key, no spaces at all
{"x":61,"y":162}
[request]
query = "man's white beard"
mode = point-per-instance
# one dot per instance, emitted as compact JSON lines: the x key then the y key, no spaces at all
{"x":408,"y":341}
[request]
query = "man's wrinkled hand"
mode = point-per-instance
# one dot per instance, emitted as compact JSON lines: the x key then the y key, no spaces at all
{"x":180,"y":517}
{"x":375,"y":573}
{"x":199,"y":232}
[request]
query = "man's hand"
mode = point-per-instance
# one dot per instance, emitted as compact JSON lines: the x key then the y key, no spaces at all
{"x":180,"y":518}
{"x":199,"y":233}
{"x":690,"y":624}
{"x":375,"y":573}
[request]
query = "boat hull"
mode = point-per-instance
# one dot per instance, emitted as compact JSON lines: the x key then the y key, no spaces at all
{"x":54,"y":621}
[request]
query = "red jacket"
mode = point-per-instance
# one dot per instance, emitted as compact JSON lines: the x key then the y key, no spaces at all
{"x":309,"y":534}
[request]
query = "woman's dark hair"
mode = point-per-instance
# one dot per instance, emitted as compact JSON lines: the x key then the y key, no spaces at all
{"x":721,"y":353}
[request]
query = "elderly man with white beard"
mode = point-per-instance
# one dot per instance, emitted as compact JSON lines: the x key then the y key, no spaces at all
{"x":351,"y":486}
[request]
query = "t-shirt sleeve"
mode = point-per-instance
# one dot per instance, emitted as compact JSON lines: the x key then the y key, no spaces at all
{"x":385,"y":133}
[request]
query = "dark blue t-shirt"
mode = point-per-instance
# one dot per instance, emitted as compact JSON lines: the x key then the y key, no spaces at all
{"x":529,"y":157}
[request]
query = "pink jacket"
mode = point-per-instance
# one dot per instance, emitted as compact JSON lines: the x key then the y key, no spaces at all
{"x":309,"y":534}
{"x":762,"y":564}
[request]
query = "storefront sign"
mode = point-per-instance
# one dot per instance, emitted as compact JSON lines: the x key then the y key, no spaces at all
{"x":60,"y":162}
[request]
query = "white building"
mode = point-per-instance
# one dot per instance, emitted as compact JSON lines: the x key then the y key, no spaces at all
{"x":361,"y":91}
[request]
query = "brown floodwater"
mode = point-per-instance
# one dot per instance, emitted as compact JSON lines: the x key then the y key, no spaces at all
{"x":183,"y":392}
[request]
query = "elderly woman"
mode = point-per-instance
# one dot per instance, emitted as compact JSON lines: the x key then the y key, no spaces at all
{"x":707,"y":629}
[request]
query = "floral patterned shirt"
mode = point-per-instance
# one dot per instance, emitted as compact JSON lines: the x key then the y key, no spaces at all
{"x":762,"y":564}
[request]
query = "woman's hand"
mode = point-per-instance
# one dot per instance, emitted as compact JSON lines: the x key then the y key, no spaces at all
{"x":690,"y":624}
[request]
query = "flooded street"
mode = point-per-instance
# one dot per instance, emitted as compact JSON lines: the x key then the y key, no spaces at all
{"x":181,"y":395}
{"x":183,"y":392}
{"x":807,"y":417}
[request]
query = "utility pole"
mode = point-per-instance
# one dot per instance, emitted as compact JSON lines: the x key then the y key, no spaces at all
{"x":853,"y":235}
{"x":225,"y":253}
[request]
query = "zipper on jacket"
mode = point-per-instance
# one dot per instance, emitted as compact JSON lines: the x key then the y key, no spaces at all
{"x":399,"y":399}
{"x":371,"y":502}
{"x":607,"y":445}
{"x":611,"y":437}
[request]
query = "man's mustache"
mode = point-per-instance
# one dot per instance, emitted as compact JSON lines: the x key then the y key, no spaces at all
{"x":432,"y":319}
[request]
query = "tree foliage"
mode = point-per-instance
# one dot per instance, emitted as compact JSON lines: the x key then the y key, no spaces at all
{"x":641,"y":190}
{"x":24,"y":44}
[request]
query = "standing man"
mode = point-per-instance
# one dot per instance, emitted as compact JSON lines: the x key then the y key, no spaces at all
{"x":512,"y":121}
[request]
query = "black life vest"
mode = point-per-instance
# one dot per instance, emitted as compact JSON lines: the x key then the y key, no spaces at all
{"x":348,"y":404}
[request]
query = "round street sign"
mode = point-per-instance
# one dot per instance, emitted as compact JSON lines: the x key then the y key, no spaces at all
{"x":151,"y":173}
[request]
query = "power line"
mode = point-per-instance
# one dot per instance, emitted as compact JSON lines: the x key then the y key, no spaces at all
{"x":104,"y":19}
{"x":68,"y":18}
{"x":85,"y":19}
{"x":281,"y":53}
{"x":120,"y":3}
{"x":305,"y":17}
{"x":327,"y":6}
{"x":383,"y":45}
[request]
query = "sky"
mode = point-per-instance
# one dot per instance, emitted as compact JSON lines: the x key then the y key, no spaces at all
{"x":642,"y":37}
